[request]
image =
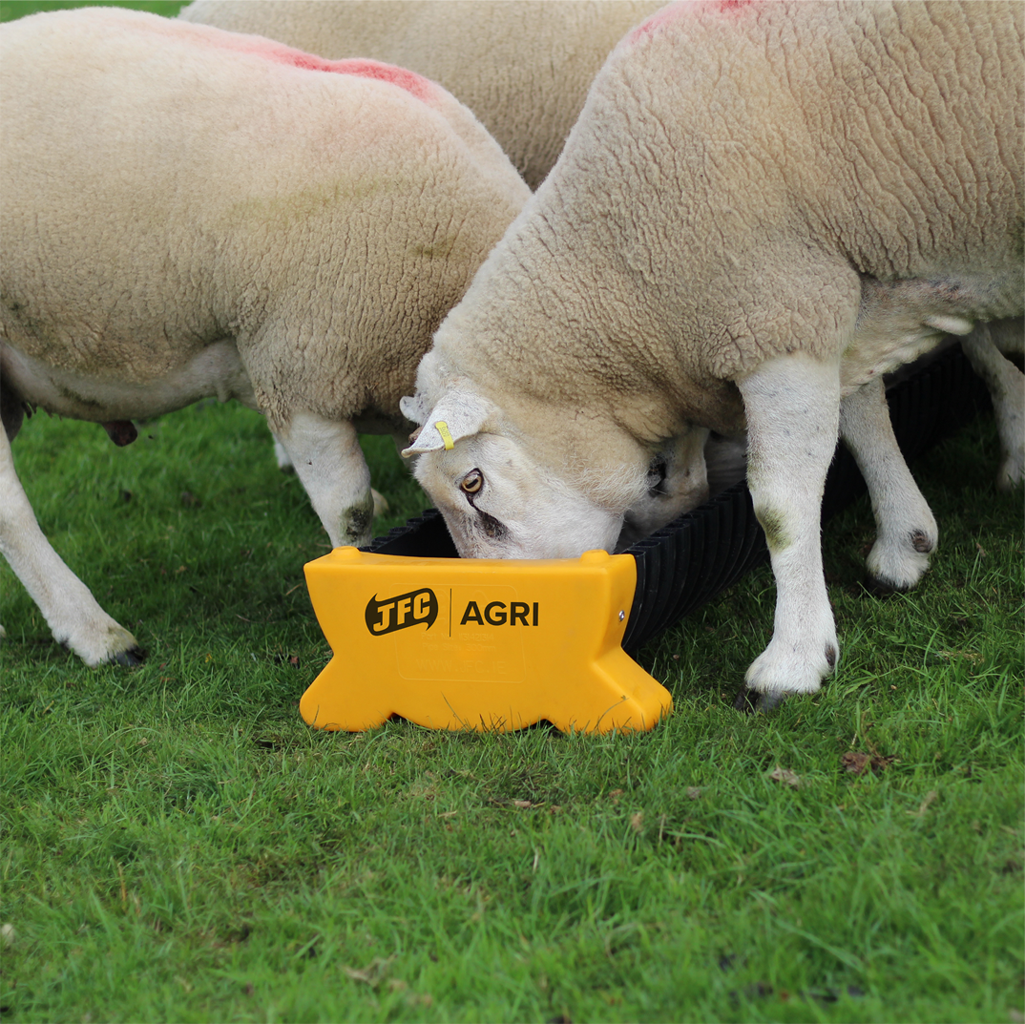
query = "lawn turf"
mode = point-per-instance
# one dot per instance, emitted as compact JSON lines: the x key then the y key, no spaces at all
{"x":178,"y":845}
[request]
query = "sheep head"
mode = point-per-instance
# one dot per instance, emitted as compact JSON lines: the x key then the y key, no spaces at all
{"x":503,"y":498}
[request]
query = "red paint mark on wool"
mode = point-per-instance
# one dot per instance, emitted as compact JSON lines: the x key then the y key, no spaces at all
{"x":408,"y":80}
{"x":675,"y":12}
{"x":655,"y":22}
{"x":413,"y":83}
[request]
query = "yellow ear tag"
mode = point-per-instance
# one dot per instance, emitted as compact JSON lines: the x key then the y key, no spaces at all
{"x":442,"y":428}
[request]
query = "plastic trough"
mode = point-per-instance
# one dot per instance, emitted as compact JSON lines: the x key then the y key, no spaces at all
{"x":454,"y":643}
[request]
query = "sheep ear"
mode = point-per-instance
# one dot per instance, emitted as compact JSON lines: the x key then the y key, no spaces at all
{"x":456,"y":416}
{"x":412,"y":407}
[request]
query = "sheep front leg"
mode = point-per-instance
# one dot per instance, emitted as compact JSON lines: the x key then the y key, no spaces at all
{"x":284,"y":462}
{"x":70,"y":610}
{"x":330,"y":464}
{"x":906,"y":531}
{"x":792,"y":408}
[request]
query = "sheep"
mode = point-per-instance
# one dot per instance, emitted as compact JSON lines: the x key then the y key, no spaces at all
{"x":522,"y":66}
{"x":190,"y":213}
{"x":762,"y":209}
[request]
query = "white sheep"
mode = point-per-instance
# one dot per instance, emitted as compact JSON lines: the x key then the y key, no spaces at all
{"x":188,"y":212}
{"x":762,"y":209}
{"x":522,"y":66}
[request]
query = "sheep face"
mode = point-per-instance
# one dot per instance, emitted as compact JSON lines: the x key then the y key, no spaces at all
{"x":499,"y":502}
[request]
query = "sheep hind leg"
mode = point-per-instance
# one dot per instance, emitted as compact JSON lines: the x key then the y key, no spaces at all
{"x":906,"y":531}
{"x":1006,"y":385}
{"x":329,"y":462}
{"x":70,"y":610}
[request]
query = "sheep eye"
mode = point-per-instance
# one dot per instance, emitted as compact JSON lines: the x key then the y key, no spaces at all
{"x":472,"y":482}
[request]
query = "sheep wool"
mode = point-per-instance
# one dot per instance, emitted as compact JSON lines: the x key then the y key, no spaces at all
{"x":522,"y":66}
{"x":189,"y":212}
{"x":763,"y":208}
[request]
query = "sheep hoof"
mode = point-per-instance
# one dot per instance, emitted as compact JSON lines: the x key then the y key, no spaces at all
{"x":130,"y":658}
{"x":770,"y":701}
{"x":746,"y":701}
{"x":752,"y":702}
{"x":880,"y":586}
{"x":898,"y":562}
{"x":283,"y":459}
{"x":121,"y":432}
{"x":1011,"y":475}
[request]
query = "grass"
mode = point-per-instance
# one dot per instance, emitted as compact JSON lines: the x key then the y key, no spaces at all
{"x":179,"y":846}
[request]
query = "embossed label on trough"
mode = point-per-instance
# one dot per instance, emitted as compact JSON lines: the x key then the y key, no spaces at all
{"x":392,"y":613}
{"x":481,"y":649}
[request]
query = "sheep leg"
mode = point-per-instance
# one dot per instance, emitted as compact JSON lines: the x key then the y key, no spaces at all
{"x":1006,"y":385}
{"x":284,"y":462}
{"x":330,"y":464}
{"x":70,"y":610}
{"x":906,"y":531}
{"x":792,"y":408}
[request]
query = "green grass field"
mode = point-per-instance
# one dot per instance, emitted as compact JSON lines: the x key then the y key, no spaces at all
{"x":179,"y":846}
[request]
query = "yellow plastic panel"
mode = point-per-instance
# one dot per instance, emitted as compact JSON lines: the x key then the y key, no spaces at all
{"x":455,"y":643}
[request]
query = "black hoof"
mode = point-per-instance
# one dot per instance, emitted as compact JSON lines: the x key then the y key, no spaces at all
{"x":770,"y":701}
{"x":879,"y":586}
{"x":745,"y":701}
{"x":751,"y":702}
{"x":130,"y":658}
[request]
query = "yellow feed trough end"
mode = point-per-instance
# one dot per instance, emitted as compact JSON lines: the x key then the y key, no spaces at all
{"x":482,"y":644}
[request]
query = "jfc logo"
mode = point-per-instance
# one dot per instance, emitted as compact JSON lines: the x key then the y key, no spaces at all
{"x":412,"y":609}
